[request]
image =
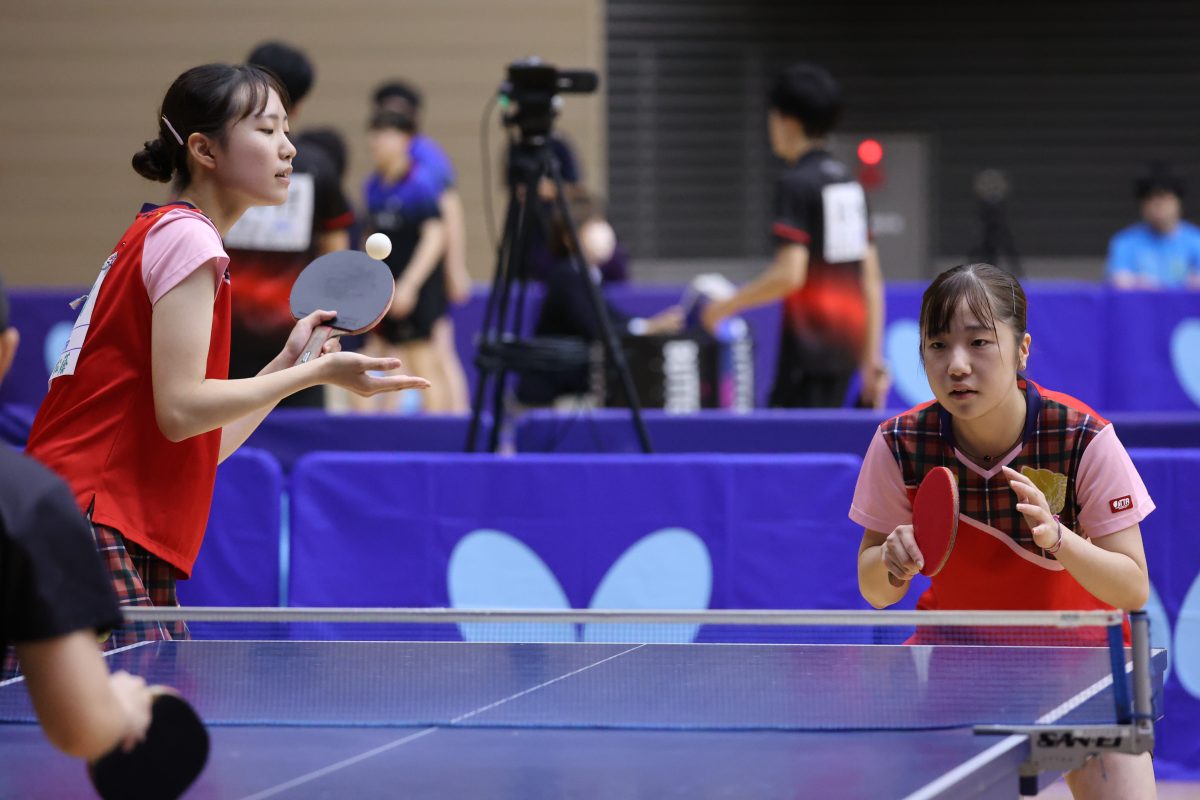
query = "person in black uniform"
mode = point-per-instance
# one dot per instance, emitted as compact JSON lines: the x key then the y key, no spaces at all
{"x":55,"y":597}
{"x":826,"y":269}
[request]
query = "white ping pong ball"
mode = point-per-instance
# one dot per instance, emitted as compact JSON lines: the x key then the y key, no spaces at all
{"x":379,"y":246}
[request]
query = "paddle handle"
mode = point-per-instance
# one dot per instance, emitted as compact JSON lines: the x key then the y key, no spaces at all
{"x":315,"y":342}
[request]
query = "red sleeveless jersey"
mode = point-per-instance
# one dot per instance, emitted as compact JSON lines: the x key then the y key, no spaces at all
{"x":97,"y":427}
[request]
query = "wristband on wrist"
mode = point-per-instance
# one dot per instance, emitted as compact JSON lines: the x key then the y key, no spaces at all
{"x":1054,"y":548}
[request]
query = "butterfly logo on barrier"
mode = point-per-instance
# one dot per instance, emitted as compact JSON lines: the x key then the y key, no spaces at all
{"x":902,"y":348}
{"x":668,"y":569}
{"x":1185,"y":357}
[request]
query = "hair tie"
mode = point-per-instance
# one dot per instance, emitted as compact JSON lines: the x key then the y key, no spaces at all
{"x":174,"y":132}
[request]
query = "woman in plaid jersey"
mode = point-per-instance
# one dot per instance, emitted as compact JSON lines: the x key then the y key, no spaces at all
{"x":1050,"y":501}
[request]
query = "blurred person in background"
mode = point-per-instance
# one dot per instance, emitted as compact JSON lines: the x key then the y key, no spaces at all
{"x":1163,"y":250}
{"x":825,"y":270}
{"x":403,"y":98}
{"x":402,"y":202}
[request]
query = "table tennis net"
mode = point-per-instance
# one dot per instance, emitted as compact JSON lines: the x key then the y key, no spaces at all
{"x":716,"y":670}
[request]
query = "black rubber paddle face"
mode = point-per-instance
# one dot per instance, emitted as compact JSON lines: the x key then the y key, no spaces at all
{"x":356,"y":286}
{"x":164,"y":764}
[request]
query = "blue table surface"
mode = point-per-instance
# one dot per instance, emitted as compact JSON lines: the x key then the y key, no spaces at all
{"x":450,"y":719}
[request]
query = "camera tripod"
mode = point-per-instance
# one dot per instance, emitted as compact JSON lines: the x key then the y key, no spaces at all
{"x":501,"y":349}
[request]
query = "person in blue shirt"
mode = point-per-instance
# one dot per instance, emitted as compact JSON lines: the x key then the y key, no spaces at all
{"x":402,"y":202}
{"x":1163,"y":250}
{"x":435,"y":164}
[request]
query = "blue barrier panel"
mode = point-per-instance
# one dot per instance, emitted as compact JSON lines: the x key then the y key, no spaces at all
{"x":1113,"y":350}
{"x":568,"y":531}
{"x":1173,"y":556}
{"x":44,"y":318}
{"x":1170,"y":429}
{"x":239,"y":560}
{"x":291,"y":433}
{"x":1152,"y":351}
{"x":837,"y":430}
{"x":834,"y":430}
{"x":15,"y":423}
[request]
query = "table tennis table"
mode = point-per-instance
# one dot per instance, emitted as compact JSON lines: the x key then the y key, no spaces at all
{"x":327,"y":719}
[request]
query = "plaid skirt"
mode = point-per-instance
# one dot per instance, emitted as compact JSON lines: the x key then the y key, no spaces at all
{"x":140,"y":578}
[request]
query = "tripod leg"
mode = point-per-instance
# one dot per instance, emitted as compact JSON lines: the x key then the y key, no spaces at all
{"x":524,"y":197}
{"x":493,"y":318}
{"x":510,"y":265}
{"x":608,"y":336}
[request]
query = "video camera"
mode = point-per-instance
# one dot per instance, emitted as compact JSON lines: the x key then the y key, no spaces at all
{"x":531,"y":93}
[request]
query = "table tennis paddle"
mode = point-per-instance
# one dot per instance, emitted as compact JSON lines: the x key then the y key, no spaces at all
{"x":162,"y":765}
{"x":935,"y":518}
{"x":359,"y":288}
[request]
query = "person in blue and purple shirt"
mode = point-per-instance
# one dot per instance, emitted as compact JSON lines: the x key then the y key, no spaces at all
{"x":401,"y":201}
{"x":1163,"y":250}
{"x":438,"y":169}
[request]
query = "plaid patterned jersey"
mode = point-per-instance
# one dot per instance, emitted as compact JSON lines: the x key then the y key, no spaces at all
{"x":995,"y":563}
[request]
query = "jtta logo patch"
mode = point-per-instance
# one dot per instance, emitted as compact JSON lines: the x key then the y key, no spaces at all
{"x":1120,"y":504}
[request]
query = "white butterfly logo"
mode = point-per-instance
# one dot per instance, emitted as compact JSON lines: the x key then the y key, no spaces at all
{"x":667,"y":569}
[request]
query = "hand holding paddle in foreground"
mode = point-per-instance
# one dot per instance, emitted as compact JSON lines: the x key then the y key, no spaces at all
{"x":925,"y":546}
{"x":161,"y":760}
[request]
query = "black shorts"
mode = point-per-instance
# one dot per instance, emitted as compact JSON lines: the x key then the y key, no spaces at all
{"x":432,"y":305}
{"x":799,"y":389}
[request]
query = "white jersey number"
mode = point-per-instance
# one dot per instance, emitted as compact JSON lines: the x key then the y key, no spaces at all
{"x":845,"y":222}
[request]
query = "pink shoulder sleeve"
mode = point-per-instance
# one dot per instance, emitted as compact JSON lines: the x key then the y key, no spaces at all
{"x":880,"y":500}
{"x":179,"y":244}
{"x":1109,"y":491}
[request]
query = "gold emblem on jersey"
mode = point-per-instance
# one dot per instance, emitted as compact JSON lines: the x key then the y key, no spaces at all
{"x":1052,"y":484}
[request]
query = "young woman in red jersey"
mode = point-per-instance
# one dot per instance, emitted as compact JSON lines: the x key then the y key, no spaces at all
{"x":139,"y":411}
{"x":1050,"y":501}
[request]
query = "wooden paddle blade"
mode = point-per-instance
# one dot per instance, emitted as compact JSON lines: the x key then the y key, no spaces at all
{"x":935,"y":519}
{"x":312,"y":348}
{"x":164,"y":764}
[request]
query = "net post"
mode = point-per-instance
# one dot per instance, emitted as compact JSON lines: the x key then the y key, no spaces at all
{"x":1116,"y":651}
{"x":1143,"y":703}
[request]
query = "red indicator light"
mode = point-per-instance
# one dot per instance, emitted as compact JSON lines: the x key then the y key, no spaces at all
{"x":870,"y":152}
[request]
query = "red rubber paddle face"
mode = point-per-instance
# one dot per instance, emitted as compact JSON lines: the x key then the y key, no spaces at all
{"x":935,"y":518}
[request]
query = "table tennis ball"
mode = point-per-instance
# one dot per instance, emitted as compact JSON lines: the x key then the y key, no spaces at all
{"x":379,"y":245}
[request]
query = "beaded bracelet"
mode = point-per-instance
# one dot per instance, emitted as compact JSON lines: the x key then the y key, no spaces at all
{"x":1054,"y":548}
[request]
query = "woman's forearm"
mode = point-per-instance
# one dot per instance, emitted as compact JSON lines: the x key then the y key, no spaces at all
{"x":1112,"y":577}
{"x":216,"y":403}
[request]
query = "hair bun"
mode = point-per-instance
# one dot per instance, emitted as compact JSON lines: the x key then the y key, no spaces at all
{"x":154,"y":162}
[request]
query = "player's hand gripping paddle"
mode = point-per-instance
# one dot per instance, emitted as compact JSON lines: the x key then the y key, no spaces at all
{"x":359,"y":288}
{"x":164,"y":764}
{"x":935,"y":518}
